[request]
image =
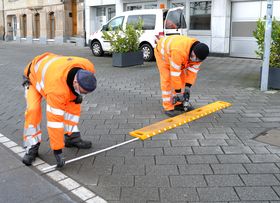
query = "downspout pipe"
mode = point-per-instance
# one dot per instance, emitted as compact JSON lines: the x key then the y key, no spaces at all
{"x":4,"y":21}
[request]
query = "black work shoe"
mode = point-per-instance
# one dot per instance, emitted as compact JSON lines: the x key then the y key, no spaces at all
{"x":75,"y":140}
{"x":31,"y":155}
{"x":180,"y":107}
{"x":172,"y":113}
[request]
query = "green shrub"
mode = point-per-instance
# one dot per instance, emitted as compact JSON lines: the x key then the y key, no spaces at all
{"x":124,"y":40}
{"x":275,"y":41}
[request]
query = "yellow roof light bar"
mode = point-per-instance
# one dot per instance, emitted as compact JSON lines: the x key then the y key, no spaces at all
{"x":170,"y":123}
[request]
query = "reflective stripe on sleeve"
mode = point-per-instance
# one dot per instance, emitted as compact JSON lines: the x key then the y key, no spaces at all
{"x":166,"y":92}
{"x":194,"y":70}
{"x":39,"y":63}
{"x":45,"y":68}
{"x":166,"y":99}
{"x":172,"y":73}
{"x":55,"y":124}
{"x":55,"y":111}
{"x":174,"y":65}
{"x":71,"y":117}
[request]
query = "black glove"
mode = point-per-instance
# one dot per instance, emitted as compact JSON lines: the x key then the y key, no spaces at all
{"x":187,"y":93}
{"x":59,"y":158}
{"x":179,"y":97}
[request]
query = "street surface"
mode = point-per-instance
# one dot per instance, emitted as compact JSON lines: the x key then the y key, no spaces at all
{"x":213,"y":159}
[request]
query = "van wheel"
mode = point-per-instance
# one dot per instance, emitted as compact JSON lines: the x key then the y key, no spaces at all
{"x":148,"y":52}
{"x":96,"y":49}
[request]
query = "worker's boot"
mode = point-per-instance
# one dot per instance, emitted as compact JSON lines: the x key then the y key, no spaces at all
{"x":31,"y":155}
{"x":180,"y":107}
{"x":172,"y":113}
{"x":75,"y":140}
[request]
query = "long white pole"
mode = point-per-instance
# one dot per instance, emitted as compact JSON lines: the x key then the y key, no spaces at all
{"x":267,"y":40}
{"x":47,"y":169}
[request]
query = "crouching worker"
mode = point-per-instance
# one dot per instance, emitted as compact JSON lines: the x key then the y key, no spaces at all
{"x":61,"y":81}
{"x":178,"y":59}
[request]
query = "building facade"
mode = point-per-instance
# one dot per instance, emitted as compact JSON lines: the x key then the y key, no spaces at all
{"x":225,"y":25}
{"x":42,"y":21}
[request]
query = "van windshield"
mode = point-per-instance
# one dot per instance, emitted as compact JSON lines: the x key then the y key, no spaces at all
{"x":148,"y":21}
{"x":175,"y":20}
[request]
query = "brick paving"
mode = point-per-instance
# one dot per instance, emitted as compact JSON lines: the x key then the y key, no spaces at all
{"x":214,"y":159}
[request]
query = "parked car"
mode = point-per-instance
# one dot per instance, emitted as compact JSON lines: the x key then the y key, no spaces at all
{"x":156,"y":23}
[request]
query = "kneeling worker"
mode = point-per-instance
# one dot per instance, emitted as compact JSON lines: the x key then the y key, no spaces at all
{"x":178,"y":59}
{"x":61,"y":80}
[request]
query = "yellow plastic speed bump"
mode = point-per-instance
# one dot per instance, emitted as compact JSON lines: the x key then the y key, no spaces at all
{"x":167,"y":124}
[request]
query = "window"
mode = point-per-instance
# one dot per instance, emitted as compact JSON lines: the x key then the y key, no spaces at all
{"x":36,"y":26}
{"x":23,"y":26}
{"x":52,"y":25}
{"x":200,"y":15}
{"x":148,"y":21}
{"x":175,"y":19}
{"x":114,"y":24}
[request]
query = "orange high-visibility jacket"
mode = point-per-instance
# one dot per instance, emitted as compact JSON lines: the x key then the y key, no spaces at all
{"x":175,"y":51}
{"x":48,"y":74}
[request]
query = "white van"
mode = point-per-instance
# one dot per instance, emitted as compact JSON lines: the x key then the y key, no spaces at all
{"x":156,"y":23}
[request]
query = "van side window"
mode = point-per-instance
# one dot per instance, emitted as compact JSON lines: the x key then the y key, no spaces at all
{"x":114,"y":24}
{"x":148,"y":21}
{"x":175,"y":20}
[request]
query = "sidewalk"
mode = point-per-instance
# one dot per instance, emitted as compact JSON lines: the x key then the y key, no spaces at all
{"x":20,"y":184}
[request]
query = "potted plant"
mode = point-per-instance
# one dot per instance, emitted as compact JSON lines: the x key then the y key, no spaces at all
{"x":125,"y":45}
{"x":274,"y":61}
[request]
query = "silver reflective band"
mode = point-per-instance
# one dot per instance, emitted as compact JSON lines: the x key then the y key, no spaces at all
{"x":55,"y":111}
{"x":55,"y":124}
{"x":172,"y":73}
{"x":174,"y":65}
{"x":166,"y":99}
{"x":71,"y":128}
{"x":193,"y":69}
{"x":166,"y":92}
{"x":71,"y":117}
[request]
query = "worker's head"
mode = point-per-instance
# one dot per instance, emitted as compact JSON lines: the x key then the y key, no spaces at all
{"x":84,"y":82}
{"x":199,"y":52}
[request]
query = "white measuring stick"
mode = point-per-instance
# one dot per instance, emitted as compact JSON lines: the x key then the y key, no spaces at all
{"x":91,"y":154}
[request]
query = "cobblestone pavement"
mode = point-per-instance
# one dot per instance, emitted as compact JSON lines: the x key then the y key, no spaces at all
{"x":213,"y":159}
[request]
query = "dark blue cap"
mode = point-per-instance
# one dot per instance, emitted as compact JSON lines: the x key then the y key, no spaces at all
{"x":86,"y":80}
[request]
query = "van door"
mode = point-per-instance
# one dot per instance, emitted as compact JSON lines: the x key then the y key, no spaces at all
{"x":174,"y":22}
{"x":112,"y":25}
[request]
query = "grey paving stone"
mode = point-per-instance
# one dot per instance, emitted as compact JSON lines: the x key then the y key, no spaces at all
{"x":233,"y":158}
{"x":138,"y":160}
{"x":228,"y":168}
{"x":178,"y":194}
{"x":184,"y":143}
{"x":260,"y":150}
{"x":116,"y":180}
{"x":162,"y":170}
{"x":139,"y":193}
{"x":262,"y":168}
{"x":201,"y":159}
{"x":187,"y":181}
{"x":177,"y":150}
{"x":170,"y":160}
{"x":212,"y":142}
{"x":256,"y":193}
{"x":195,"y":169}
{"x":156,"y":143}
{"x":148,"y":151}
{"x":207,"y":150}
{"x":223,"y":180}
{"x":216,"y":136}
{"x":259,"y":180}
{"x":217,"y":194}
{"x":108,"y":193}
{"x":152,"y":181}
{"x":190,"y":136}
{"x":237,"y":150}
{"x":264,"y":158}
{"x":128,"y":170}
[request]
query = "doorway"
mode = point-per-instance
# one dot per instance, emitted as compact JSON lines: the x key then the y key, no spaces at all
{"x":74,"y":17}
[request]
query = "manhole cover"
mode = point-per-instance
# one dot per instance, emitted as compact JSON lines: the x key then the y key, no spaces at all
{"x":270,"y":137}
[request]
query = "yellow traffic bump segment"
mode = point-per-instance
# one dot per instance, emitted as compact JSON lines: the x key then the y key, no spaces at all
{"x":168,"y":124}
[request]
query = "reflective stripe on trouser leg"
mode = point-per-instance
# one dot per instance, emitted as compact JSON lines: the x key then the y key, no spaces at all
{"x":71,"y":118}
{"x":33,"y":115}
{"x":165,"y":83}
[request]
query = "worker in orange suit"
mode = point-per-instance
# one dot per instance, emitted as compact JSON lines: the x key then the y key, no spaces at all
{"x":61,"y":81}
{"x":178,"y":59}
